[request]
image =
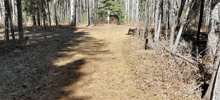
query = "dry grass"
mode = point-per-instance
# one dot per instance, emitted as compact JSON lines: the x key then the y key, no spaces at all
{"x":161,"y":74}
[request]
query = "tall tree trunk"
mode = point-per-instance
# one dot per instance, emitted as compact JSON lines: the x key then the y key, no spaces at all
{"x":8,"y":10}
{"x":146,"y":19}
{"x":6,"y":22}
{"x":13,"y":11}
{"x":43,"y":14}
{"x":133,"y":8}
{"x":137,"y":10}
{"x":11,"y":25}
{"x":38,"y":17}
{"x":126,"y":3}
{"x":181,"y":27}
{"x":162,"y":12}
{"x":34,"y":20}
{"x":180,"y":11}
{"x":156,"y":35}
{"x":137,"y":17}
{"x":55,"y":11}
{"x":88,"y":11}
{"x":20,"y":24}
{"x":128,"y":10}
{"x":200,"y":19}
{"x":73,"y":12}
{"x":48,"y":11}
{"x":80,"y":10}
{"x":212,"y":45}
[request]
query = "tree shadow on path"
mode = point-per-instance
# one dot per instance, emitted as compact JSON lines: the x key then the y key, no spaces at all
{"x":30,"y":72}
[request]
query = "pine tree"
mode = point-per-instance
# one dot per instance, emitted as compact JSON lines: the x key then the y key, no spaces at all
{"x":115,"y":8}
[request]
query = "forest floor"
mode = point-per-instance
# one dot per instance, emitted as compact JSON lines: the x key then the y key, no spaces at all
{"x":76,"y":63}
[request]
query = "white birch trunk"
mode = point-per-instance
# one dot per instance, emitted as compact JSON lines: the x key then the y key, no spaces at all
{"x":137,"y":11}
{"x":156,"y":36}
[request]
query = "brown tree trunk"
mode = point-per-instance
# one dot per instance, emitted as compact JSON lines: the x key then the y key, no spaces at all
{"x":38,"y":18}
{"x":200,"y":19}
{"x":48,"y":7}
{"x":9,"y":17}
{"x":34,"y":20}
{"x":6,"y":23}
{"x":20,"y":24}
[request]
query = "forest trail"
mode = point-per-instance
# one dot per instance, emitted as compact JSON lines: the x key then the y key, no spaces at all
{"x":70,"y":63}
{"x":107,"y":76}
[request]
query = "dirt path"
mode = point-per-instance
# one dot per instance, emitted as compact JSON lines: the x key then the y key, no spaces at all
{"x":70,"y":63}
{"x":107,"y":75}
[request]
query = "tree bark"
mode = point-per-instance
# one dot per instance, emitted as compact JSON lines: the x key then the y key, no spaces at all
{"x":180,"y":11}
{"x":128,"y":11}
{"x":88,"y":12}
{"x":200,"y":19}
{"x":6,"y":22}
{"x":146,"y":19}
{"x":213,"y":49}
{"x":181,"y":28}
{"x":20,"y":24}
{"x":55,"y":11}
{"x":34,"y":20}
{"x":48,"y":11}
{"x":8,"y":10}
{"x":156,"y":35}
{"x":137,"y":17}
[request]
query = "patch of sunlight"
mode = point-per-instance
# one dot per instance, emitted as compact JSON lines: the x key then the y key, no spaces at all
{"x":49,"y":36}
{"x":62,"y":61}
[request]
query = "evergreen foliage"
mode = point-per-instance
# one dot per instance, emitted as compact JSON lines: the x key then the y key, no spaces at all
{"x":31,"y":7}
{"x":115,"y":8}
